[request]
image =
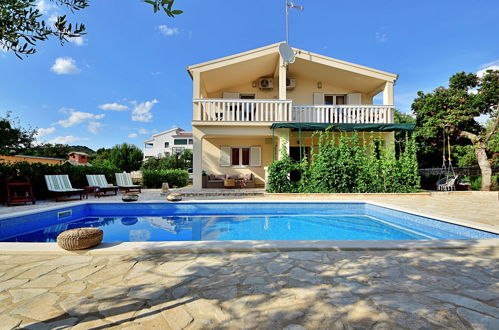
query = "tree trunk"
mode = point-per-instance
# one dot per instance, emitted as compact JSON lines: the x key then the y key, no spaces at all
{"x":480,"y":147}
{"x":483,"y":162}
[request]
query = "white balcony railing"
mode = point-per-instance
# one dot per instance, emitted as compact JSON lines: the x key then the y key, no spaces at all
{"x":228,"y":110}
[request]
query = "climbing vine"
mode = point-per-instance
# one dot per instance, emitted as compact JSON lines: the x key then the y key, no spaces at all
{"x":348,"y":165}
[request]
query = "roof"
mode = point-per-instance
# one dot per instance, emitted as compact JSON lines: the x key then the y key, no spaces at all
{"x":78,"y":153}
{"x":164,"y":132}
{"x":38,"y":157}
{"x":273,"y":49}
{"x":345,"y":127}
{"x":183,"y":134}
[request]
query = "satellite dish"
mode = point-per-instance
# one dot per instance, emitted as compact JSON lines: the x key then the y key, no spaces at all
{"x":287,"y":53}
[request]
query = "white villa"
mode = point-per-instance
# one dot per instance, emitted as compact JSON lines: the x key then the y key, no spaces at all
{"x":172,"y":141}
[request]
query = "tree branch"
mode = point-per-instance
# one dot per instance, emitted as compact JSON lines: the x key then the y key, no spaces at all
{"x":473,"y":137}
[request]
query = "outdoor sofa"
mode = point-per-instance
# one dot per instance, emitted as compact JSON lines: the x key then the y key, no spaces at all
{"x":217,"y":180}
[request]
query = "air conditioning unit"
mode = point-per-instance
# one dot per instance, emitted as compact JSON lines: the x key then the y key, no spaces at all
{"x":266,"y":83}
{"x":290,"y":83}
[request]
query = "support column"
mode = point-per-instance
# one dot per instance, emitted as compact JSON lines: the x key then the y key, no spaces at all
{"x":282,"y":79}
{"x":197,"y":157}
{"x":388,"y":94}
{"x":283,"y":135}
{"x":196,"y":94}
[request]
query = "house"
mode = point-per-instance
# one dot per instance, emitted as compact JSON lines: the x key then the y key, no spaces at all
{"x":248,"y":106}
{"x":174,"y":140}
{"x":78,"y":158}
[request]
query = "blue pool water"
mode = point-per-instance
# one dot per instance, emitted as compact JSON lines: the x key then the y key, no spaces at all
{"x":233,"y":221}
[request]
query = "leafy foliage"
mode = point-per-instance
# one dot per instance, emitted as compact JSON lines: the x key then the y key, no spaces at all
{"x":183,"y":161}
{"x":345,"y":165}
{"x":13,"y":138}
{"x":175,"y":178}
{"x":456,"y":110}
{"x":126,"y":157}
{"x":22,"y":24}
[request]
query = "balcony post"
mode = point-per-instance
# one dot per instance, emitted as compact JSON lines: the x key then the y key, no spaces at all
{"x":196,"y":94}
{"x":388,"y":93}
{"x":197,"y":136}
{"x":282,"y":79}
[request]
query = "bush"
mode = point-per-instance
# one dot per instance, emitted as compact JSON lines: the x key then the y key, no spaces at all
{"x":36,"y":172}
{"x":348,"y":167}
{"x":476,"y":182}
{"x":154,"y":179}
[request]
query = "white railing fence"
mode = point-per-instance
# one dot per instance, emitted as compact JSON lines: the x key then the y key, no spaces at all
{"x":236,"y":110}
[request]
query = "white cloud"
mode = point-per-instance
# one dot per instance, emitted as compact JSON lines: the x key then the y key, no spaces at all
{"x":53,"y":19}
{"x":113,"y":106}
{"x":65,"y":65}
{"x":381,"y":37}
{"x":142,"y":111}
{"x":143,"y":131}
{"x":44,"y":131}
{"x":65,"y":139}
{"x":94,"y":127}
{"x":44,"y":6}
{"x":78,"y":117}
{"x":78,"y":41}
{"x":132,"y":135}
{"x":168,"y":31}
{"x":494,"y":65}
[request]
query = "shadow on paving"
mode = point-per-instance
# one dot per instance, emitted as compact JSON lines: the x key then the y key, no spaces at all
{"x":450,"y":288}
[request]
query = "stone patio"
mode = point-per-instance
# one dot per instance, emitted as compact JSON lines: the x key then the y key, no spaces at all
{"x":449,"y":288}
{"x":407,"y":289}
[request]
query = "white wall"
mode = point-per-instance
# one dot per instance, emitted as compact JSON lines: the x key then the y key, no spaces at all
{"x":158,"y":149}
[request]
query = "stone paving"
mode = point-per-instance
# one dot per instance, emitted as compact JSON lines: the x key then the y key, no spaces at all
{"x":420,"y":289}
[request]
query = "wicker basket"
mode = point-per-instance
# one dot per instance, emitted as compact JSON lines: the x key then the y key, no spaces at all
{"x":174,"y":197}
{"x":80,"y":238}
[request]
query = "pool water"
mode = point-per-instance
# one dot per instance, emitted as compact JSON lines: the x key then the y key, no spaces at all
{"x":235,"y":221}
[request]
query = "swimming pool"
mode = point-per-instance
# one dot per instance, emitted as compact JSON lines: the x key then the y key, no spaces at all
{"x":216,"y":221}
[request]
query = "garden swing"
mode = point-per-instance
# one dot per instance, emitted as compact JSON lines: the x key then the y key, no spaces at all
{"x":449,"y":181}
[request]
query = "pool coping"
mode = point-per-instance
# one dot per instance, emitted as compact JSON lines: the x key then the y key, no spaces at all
{"x":257,"y":245}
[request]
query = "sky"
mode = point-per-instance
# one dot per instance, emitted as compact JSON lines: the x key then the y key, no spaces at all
{"x":126,"y":79}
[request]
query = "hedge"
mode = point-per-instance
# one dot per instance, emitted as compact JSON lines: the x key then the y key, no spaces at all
{"x":175,"y":178}
{"x":36,"y":172}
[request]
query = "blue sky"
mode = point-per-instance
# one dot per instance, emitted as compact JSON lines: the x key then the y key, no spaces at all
{"x":127,"y":79}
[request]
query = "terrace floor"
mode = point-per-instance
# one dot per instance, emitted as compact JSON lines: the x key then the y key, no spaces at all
{"x":430,"y":288}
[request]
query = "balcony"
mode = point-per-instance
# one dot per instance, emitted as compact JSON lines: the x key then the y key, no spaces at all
{"x":271,"y":111}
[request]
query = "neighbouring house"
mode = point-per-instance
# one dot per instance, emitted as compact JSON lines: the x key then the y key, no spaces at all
{"x":78,"y":158}
{"x":31,"y":159}
{"x":248,"y":106}
{"x":172,"y":141}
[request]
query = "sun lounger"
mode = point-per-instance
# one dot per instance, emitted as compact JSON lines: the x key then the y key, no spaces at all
{"x":59,"y":185}
{"x":99,"y":180}
{"x":124,"y":182}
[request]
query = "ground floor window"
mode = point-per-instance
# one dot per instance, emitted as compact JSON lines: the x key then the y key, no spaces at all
{"x":240,"y":156}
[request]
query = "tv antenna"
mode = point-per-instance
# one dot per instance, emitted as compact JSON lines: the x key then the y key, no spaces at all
{"x":290,"y":5}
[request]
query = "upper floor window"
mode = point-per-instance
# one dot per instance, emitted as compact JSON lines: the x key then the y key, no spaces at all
{"x":180,"y":141}
{"x":167,"y":144}
{"x":331,"y":99}
{"x":190,"y":141}
{"x":148,"y":145}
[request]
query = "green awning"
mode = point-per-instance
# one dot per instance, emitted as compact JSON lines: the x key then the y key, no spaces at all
{"x":346,"y":127}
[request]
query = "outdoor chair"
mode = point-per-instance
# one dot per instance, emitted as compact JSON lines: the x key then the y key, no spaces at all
{"x":99,"y":180}
{"x":59,"y":185}
{"x":447,"y":183}
{"x":124,"y":182}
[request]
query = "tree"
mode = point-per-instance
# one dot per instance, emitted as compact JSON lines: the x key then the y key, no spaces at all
{"x":456,"y":108}
{"x":126,"y":157}
{"x":13,"y":138}
{"x":22,"y":25}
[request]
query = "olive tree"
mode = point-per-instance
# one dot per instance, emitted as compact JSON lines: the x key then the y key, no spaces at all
{"x":456,"y":108}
